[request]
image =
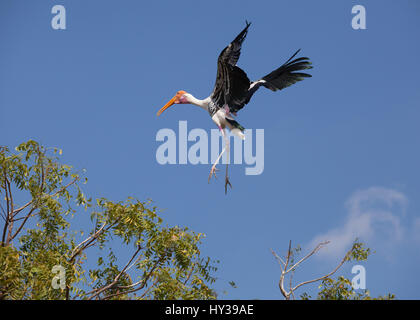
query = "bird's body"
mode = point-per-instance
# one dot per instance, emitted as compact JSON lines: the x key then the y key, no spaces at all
{"x":233,"y":90}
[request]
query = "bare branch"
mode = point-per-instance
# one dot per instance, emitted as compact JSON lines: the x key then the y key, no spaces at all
{"x":283,"y":273}
{"x":285,"y":270}
{"x":326,"y":276}
{"x":279,"y":260}
{"x":290,"y":285}
{"x":289,"y":252}
{"x":316,"y":249}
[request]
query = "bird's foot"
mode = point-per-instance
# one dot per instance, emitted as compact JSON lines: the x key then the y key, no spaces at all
{"x":227,"y":182}
{"x":213,"y":172}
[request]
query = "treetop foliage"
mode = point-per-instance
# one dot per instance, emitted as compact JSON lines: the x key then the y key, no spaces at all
{"x":41,"y":197}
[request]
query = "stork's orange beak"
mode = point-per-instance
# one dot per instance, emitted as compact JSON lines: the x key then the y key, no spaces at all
{"x":174,"y":100}
{"x":170,"y":103}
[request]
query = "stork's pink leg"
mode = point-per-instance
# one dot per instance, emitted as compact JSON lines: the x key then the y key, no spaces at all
{"x":214,"y":169}
{"x":227,"y":182}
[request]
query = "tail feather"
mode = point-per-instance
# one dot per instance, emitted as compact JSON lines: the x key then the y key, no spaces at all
{"x":286,"y":75}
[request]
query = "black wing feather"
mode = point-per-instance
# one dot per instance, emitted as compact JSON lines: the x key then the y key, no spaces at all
{"x":285,"y":76}
{"x":232,"y":83}
{"x":233,"y":86}
{"x":231,"y":53}
{"x":280,"y":78}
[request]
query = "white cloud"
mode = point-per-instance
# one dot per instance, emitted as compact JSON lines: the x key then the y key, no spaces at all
{"x":373,"y":216}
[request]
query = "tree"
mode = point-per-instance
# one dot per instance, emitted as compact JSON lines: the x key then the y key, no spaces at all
{"x":330,"y":289}
{"x":39,"y":196}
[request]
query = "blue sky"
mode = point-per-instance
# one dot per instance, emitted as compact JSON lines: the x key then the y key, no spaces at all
{"x":341,"y":148}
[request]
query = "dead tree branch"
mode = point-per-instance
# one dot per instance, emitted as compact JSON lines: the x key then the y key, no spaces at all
{"x":289,"y":271}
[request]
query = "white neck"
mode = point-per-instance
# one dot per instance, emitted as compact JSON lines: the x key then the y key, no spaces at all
{"x":197,"y":102}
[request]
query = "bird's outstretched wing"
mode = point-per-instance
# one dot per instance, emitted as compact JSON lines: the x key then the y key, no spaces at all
{"x":231,"y":53}
{"x":287,"y":74}
{"x":232,"y":83}
{"x":283,"y":77}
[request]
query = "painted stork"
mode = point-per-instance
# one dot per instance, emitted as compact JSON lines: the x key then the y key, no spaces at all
{"x":233,"y":90}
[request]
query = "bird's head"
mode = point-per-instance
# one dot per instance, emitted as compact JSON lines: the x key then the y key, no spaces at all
{"x":180,"y":97}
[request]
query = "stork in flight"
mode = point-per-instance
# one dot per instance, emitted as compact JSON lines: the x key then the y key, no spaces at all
{"x":233,"y":90}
